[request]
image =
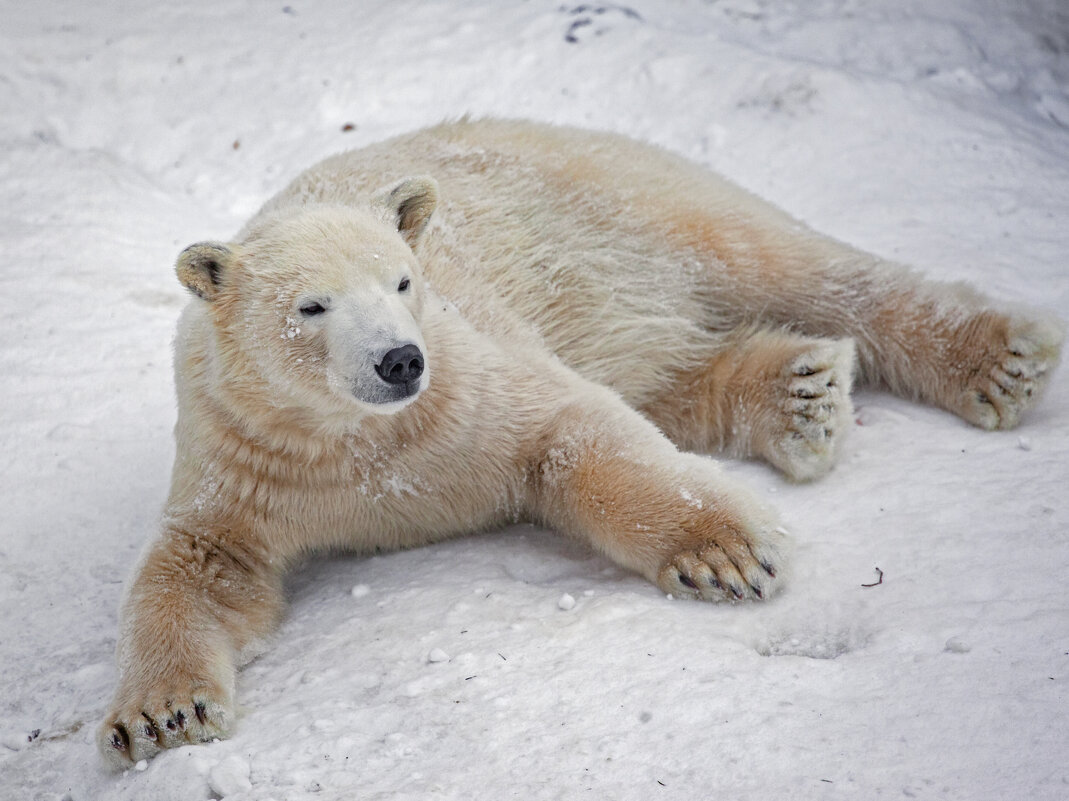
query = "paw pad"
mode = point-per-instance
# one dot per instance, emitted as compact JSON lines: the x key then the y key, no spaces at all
{"x":816,"y":410}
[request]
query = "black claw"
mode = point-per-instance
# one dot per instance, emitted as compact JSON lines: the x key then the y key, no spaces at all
{"x":757,"y":591}
{"x":714,"y":583}
{"x":150,"y":727}
{"x":180,"y":719}
{"x":198,"y":710}
{"x":738,"y":593}
{"x":120,"y":740}
{"x":769,"y":569}
{"x":687,"y":581}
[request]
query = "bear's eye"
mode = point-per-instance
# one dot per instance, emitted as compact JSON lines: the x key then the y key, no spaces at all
{"x":403,"y":286}
{"x":312,"y":309}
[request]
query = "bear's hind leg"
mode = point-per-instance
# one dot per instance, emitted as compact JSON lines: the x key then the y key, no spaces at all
{"x":987,"y":366}
{"x":772,"y":394}
{"x":944,"y":344}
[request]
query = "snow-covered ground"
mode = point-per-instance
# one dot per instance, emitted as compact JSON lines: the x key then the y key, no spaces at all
{"x":518,"y":664}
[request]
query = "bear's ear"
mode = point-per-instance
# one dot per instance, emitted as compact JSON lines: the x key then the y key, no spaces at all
{"x":408,"y":205}
{"x":201,"y":266}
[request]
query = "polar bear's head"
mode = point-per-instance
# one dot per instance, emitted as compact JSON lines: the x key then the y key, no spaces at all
{"x":320,"y":305}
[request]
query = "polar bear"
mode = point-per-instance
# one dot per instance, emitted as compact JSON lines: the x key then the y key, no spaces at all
{"x":492,"y":321}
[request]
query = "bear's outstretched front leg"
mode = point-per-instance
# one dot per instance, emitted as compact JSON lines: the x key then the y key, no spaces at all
{"x":606,"y":474}
{"x":199,"y":599}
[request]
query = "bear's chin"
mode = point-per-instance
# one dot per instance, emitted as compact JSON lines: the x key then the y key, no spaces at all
{"x":393,"y":399}
{"x":389,"y":407}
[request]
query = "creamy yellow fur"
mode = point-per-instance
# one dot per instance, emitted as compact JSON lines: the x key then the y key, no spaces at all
{"x":563,"y":289}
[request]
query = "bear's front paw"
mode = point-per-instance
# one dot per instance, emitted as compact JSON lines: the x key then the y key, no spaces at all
{"x":141,"y":724}
{"x":731,"y":565}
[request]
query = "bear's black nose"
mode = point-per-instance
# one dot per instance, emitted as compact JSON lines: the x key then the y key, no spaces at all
{"x":401,"y":365}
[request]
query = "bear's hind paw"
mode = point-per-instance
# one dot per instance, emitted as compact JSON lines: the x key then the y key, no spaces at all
{"x":1014,"y":375}
{"x":816,"y":410}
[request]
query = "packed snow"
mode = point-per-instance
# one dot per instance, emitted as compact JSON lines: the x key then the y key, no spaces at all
{"x":518,"y":664}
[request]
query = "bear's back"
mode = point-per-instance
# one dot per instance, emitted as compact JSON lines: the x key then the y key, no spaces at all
{"x":604,"y":246}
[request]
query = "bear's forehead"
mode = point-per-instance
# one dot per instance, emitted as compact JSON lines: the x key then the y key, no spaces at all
{"x":344,"y":252}
{"x":336,"y":246}
{"x":327,"y":268}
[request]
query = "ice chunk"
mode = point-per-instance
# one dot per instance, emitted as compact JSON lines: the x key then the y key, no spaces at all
{"x":956,"y":645}
{"x":437,"y":655}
